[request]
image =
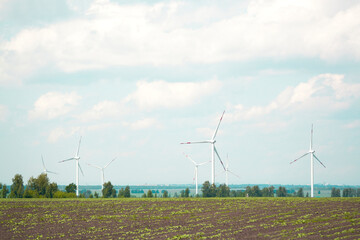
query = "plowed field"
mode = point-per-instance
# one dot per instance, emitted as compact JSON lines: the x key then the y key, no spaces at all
{"x":227,"y":218}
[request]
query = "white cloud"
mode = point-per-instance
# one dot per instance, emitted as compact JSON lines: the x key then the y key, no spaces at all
{"x":354,"y":124}
{"x":104,"y":109}
{"x":324,"y":93}
{"x":110,"y":34}
{"x":3,"y":112}
{"x":53,"y":104}
{"x":142,"y":124}
{"x":164,"y":94}
{"x":61,"y":132}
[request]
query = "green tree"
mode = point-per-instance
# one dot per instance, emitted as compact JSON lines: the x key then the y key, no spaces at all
{"x":223,"y":191}
{"x":96,"y":195}
{"x":17,"y":188}
{"x":71,"y":188}
{"x":248,"y":191}
{"x":281,"y":192}
{"x":165,"y":194}
{"x":213,"y":190}
{"x":300,"y":193}
{"x":4,"y":191}
{"x":149,"y":194}
{"x":335,"y":192}
{"x":187,"y":192}
{"x":206,"y":189}
{"x":108,"y":190}
{"x":127,"y":192}
{"x":182,"y":193}
{"x":255,"y":190}
{"x":144,"y":195}
{"x":121,"y":193}
{"x":51,"y":189}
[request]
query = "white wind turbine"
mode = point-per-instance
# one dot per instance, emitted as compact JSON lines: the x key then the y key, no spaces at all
{"x":45,"y":169}
{"x":196,"y":171}
{"x":227,"y":171}
{"x":312,"y":156}
{"x":77,"y":164}
{"x":102,"y":171}
{"x":213,"y":151}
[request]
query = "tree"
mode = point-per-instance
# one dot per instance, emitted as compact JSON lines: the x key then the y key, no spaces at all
{"x":300,"y":193}
{"x":223,"y":191}
{"x":127,"y":193}
{"x":108,"y":190}
{"x":96,"y":195}
{"x":149,"y":194}
{"x":17,"y":188}
{"x":4,"y":191}
{"x":255,"y":190}
{"x":248,"y":191}
{"x":71,"y":188}
{"x":307,"y":194}
{"x":187,"y":192}
{"x":206,"y":189}
{"x":335,"y":192}
{"x":41,"y":183}
{"x":165,"y":194}
{"x":357,"y":192}
{"x":182,"y":193}
{"x":51,"y":189}
{"x":281,"y":192}
{"x":213,"y":190}
{"x":121,"y":193}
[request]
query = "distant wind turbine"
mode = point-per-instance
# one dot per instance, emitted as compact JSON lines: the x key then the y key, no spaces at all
{"x":77,"y":164}
{"x":312,"y":156}
{"x":45,"y":169}
{"x":102,"y":171}
{"x":196,"y":171}
{"x":213,"y":151}
{"x":228,"y":171}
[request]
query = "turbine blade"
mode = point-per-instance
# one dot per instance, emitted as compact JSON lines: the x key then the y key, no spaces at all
{"x":195,"y":142}
{"x":77,"y":153}
{"x":203,"y":163}
{"x":319,"y":161}
{"x":109,"y":163}
{"x":188,"y":157}
{"x":219,"y":158}
{"x":300,"y":157}
{"x":50,"y":172}
{"x":217,"y":128}
{"x":69,"y":159}
{"x":194,"y":175}
{"x":42,"y":159}
{"x":80,"y":169}
{"x":234,"y":174}
{"x":95,"y":166}
{"x":311,"y":138}
{"x":219,"y":174}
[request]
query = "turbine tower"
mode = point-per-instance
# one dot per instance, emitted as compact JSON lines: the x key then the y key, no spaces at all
{"x":77,"y":166}
{"x":213,"y":151}
{"x":312,"y":156}
{"x":102,"y":171}
{"x":45,"y":169}
{"x":196,"y":171}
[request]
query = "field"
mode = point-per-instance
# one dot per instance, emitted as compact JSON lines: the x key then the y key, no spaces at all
{"x":194,"y":218}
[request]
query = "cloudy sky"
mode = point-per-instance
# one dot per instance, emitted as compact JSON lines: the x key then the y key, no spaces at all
{"x":136,"y":78}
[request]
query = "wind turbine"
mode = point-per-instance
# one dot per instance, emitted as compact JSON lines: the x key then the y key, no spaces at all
{"x":213,"y":151}
{"x":77,"y":164}
{"x":312,"y":156}
{"x":228,"y":171}
{"x":196,"y":171}
{"x":102,"y":171}
{"x":45,"y":169}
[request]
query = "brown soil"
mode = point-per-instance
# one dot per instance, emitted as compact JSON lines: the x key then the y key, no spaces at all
{"x":240,"y":218}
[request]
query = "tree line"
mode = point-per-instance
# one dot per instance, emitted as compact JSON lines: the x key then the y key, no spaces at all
{"x":41,"y":187}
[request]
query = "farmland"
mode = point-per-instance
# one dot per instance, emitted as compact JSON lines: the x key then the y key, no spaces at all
{"x":193,"y":218}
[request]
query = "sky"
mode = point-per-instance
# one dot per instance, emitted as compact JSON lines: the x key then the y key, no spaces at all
{"x":137,"y":78}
